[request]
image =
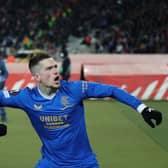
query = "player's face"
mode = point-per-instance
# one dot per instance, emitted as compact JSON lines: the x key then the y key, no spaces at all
{"x":48,"y":75}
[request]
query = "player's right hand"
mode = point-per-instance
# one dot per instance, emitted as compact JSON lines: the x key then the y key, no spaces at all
{"x":3,"y":129}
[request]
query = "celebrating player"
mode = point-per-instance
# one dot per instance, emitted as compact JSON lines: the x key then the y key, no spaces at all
{"x":56,"y":111}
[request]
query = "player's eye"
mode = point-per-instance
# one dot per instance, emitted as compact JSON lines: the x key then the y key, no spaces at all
{"x":49,"y":68}
{"x":55,"y":66}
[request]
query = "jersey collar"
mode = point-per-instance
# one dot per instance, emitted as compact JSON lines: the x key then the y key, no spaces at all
{"x":46,"y":96}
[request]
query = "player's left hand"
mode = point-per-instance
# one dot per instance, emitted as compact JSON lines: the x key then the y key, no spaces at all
{"x":3,"y":129}
{"x":150,"y":114}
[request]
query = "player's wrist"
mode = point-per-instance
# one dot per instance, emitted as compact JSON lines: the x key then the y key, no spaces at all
{"x":141,"y":107}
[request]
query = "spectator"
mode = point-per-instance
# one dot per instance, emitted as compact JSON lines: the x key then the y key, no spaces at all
{"x":55,"y":21}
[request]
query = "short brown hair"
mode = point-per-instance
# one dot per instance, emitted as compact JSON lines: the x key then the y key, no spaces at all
{"x":35,"y":58}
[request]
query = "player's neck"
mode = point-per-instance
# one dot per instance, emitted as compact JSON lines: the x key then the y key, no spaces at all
{"x":48,"y":91}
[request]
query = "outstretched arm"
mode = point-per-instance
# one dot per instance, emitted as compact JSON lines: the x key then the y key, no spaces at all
{"x":151,"y":116}
{"x":7,"y":98}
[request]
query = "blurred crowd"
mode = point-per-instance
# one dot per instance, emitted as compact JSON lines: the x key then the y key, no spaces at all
{"x":111,"y":26}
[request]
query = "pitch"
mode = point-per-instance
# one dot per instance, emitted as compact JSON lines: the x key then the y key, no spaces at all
{"x":118,"y":135}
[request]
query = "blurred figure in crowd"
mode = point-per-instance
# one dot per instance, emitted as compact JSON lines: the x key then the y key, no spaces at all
{"x":3,"y":77}
{"x":65,"y":69}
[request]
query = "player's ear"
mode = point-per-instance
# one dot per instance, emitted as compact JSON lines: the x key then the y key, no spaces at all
{"x":36,"y":76}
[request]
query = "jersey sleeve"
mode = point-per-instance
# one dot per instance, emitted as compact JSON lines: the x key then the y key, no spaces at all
{"x":86,"y":90}
{"x":12,"y":98}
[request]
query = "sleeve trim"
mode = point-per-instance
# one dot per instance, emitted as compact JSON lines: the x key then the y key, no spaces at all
{"x":141,"y":107}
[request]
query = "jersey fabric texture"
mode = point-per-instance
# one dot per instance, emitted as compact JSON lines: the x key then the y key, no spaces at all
{"x":59,"y":120}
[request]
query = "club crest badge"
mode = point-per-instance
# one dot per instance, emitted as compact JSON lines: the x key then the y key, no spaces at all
{"x":65,"y":102}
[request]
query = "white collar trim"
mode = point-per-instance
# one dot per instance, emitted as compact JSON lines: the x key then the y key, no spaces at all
{"x":46,"y":96}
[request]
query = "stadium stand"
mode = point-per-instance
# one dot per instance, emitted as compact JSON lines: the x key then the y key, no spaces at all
{"x":114,"y":26}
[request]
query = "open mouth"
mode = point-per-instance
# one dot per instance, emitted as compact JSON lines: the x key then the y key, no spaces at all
{"x":56,"y":78}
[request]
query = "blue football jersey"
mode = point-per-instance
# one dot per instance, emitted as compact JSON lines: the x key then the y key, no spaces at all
{"x":59,"y":119}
